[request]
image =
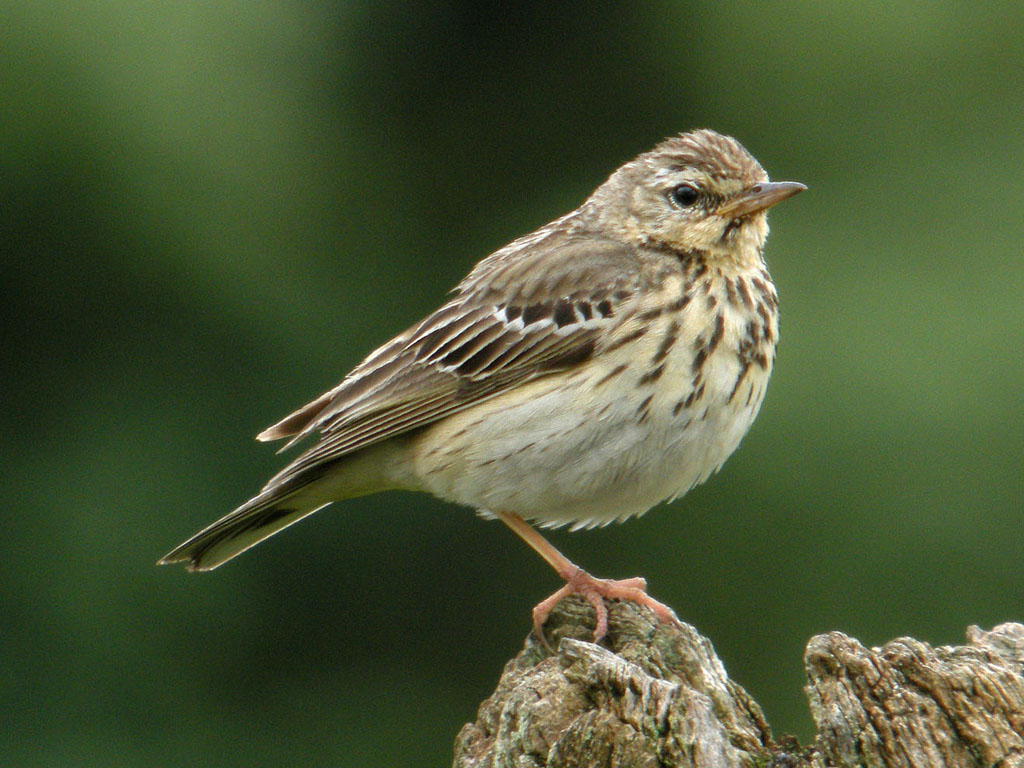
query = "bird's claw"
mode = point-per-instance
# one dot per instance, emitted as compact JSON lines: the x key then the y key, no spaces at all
{"x":595,"y":591}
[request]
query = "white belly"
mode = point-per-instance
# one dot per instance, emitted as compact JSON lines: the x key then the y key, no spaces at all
{"x":566,"y":450}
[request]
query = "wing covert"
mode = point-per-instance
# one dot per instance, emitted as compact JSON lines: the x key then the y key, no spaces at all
{"x":498,"y":330}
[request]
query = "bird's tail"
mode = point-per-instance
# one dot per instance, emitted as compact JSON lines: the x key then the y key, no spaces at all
{"x":257,"y":519}
{"x":299,"y":490}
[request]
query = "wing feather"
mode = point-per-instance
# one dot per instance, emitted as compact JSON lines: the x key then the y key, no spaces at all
{"x":501,"y":329}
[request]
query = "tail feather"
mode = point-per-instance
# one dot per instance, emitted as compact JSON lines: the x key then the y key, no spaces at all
{"x":237,"y":531}
{"x":294,"y":493}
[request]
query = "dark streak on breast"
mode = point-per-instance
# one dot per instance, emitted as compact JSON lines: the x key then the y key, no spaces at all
{"x":716,"y":335}
{"x":702,"y":348}
{"x":700,"y":357}
{"x":744,"y":367}
{"x":652,"y":375}
{"x":643,"y":411}
{"x":611,"y":374}
{"x":744,"y":291}
{"x":667,"y":342}
{"x":631,"y":336}
{"x":767,"y":293}
{"x":730,"y":292}
{"x":754,"y":332}
{"x":681,"y":302}
{"x":690,"y":398}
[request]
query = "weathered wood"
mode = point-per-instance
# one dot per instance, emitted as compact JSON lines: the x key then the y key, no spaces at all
{"x":656,"y":696}
{"x":909,"y":705}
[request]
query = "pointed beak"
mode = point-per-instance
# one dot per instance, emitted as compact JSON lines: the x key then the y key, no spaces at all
{"x":759,"y":197}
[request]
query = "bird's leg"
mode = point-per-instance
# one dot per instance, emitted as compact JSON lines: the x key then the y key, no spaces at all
{"x":578,"y":582}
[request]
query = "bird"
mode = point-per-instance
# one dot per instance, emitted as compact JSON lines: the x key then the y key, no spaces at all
{"x":582,"y":374}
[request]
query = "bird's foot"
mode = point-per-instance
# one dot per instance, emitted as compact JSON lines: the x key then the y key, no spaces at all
{"x":595,"y":591}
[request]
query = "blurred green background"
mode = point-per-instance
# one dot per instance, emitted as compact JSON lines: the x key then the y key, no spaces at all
{"x":210,"y":212}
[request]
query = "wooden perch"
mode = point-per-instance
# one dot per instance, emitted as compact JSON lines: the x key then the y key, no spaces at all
{"x":656,"y":696}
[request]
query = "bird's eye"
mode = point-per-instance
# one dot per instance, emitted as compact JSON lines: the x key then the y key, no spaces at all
{"x":685,"y":195}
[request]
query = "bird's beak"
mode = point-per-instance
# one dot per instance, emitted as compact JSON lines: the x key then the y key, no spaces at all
{"x":759,"y":197}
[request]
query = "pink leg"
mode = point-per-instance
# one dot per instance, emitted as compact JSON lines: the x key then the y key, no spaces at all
{"x":578,"y":582}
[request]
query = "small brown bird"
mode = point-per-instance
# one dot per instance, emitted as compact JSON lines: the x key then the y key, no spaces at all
{"x":611,"y":360}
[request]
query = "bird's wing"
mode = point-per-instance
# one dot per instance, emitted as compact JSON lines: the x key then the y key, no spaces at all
{"x":516,"y":317}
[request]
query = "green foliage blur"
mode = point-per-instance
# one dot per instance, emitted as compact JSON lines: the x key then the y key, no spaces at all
{"x":211,"y":211}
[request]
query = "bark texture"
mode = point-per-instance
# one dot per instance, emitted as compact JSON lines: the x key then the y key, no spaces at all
{"x":656,"y":696}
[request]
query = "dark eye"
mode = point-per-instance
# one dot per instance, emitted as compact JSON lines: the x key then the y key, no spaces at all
{"x":685,"y":195}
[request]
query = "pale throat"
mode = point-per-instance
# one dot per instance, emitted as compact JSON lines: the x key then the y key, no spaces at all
{"x":742,"y":248}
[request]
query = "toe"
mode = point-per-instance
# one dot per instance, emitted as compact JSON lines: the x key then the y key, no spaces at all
{"x":600,"y":615}
{"x":595,"y":592}
{"x":637,"y":582}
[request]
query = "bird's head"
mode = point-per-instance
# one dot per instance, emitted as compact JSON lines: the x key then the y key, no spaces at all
{"x":696,"y":192}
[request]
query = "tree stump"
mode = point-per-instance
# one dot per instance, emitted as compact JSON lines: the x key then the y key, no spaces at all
{"x":652,"y":695}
